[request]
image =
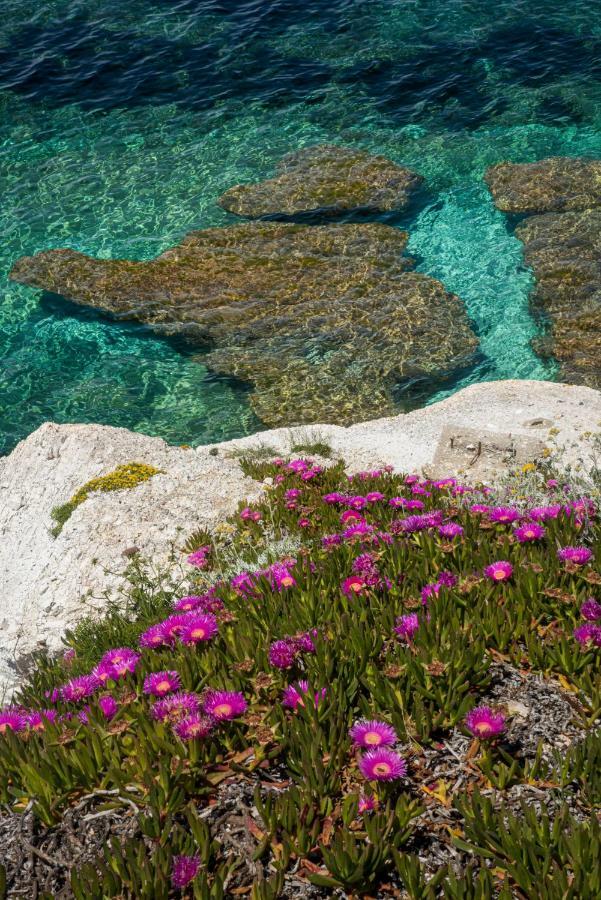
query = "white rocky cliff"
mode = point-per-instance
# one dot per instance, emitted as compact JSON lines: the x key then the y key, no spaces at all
{"x":47,"y":583}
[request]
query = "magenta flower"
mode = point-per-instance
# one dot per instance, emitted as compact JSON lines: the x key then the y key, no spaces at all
{"x":119,"y":662}
{"x":479,"y":508}
{"x":200,"y":557}
{"x":294,"y":695}
{"x":243,"y":583}
{"x":330,"y":540}
{"x":588,"y":635}
{"x":382,"y":765}
{"x":282,"y":654}
{"x":37,"y":719}
{"x":374,"y":497}
{"x":367,"y":803}
{"x":187,"y":604}
{"x":306,"y":641}
{"x":360,"y":530}
{"x":352,"y":585}
{"x":532,"y":531}
{"x":193,"y":726}
{"x":12,"y":719}
{"x":578,"y":556}
{"x":248,"y":514}
{"x":591,"y":610}
{"x":484,"y":722}
{"x":450,"y":530}
{"x":175,"y":706}
{"x":503,"y":514}
{"x":371,"y":733}
{"x":108,"y":705}
{"x":334,"y":498}
{"x":199,"y":627}
{"x":351,"y":516}
{"x":224,"y":705}
{"x":406,"y":626}
{"x":446,"y":579}
{"x":158,"y":684}
{"x":153,"y":637}
{"x":292,"y":494}
{"x":543,"y":513}
{"x":499,"y":571}
{"x":173,"y":626}
{"x":280,"y":576}
{"x":79,"y":688}
{"x":184,"y":870}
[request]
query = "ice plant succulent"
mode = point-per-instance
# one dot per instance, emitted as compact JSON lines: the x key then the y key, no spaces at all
{"x":372,"y":733}
{"x":198,"y":629}
{"x":224,"y":705}
{"x":382,"y":764}
{"x":577,"y":556}
{"x":484,"y":722}
{"x":158,"y":684}
{"x":185,"y":869}
{"x":499,"y":571}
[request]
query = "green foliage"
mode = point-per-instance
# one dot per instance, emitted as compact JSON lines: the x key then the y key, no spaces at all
{"x":313,"y":448}
{"x":555,"y":859}
{"x":358,"y":667}
{"x":126,"y":476}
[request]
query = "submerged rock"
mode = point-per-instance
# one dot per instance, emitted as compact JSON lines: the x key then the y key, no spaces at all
{"x":548,"y":185}
{"x":326,"y":178}
{"x":563,"y":248}
{"x":325,"y":322}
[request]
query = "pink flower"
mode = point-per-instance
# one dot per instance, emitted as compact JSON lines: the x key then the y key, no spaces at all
{"x":294,"y":694}
{"x":158,"y":684}
{"x":532,"y":531}
{"x":184,"y":870}
{"x":243,"y":583}
{"x":499,"y":571}
{"x":108,"y":705}
{"x":367,"y":803}
{"x":37,"y":719}
{"x":248,"y":514}
{"x":198,"y":628}
{"x":200,"y":557}
{"x":224,"y":705}
{"x":350,"y":515}
{"x":485,"y":723}
{"x":193,"y":726}
{"x":543,"y":513}
{"x":374,"y":497}
{"x":79,"y":688}
{"x":372,"y":734}
{"x":12,"y":719}
{"x":503,"y":514}
{"x":578,"y":556}
{"x":175,"y":706}
{"x":406,"y":626}
{"x":281,"y":577}
{"x":352,"y":585}
{"x":153,"y":637}
{"x":591,"y":610}
{"x":282,"y":654}
{"x":119,"y":662}
{"x":588,"y":635}
{"x":382,"y":765}
{"x":450,"y":530}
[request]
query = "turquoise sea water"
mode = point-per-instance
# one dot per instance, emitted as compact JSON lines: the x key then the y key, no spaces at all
{"x":120,"y":124}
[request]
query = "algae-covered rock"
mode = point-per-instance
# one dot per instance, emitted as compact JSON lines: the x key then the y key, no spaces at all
{"x":548,"y":185}
{"x":563,"y":247}
{"x":325,"y":178}
{"x":564,"y":251}
{"x":325,"y":321}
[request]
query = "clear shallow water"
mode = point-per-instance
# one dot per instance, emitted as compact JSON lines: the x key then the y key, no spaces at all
{"x":120,"y":124}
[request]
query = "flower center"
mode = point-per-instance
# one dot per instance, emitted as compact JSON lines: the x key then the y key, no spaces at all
{"x":198,"y":633}
{"x":356,"y":587}
{"x":381,"y":768}
{"x":287,"y":581}
{"x":499,"y":575}
{"x":163,"y":687}
{"x":373,"y":737}
{"x":483,"y":728}
{"x":224,"y":709}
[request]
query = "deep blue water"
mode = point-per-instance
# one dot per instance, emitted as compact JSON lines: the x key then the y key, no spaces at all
{"x":120,"y":124}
